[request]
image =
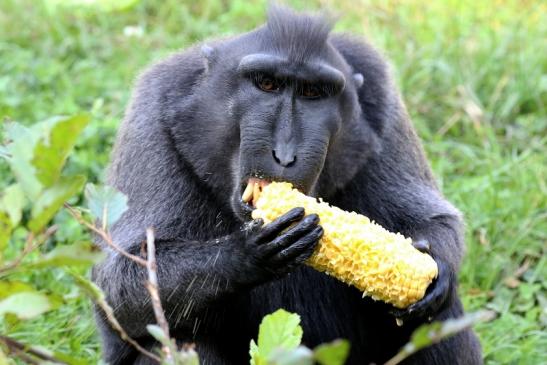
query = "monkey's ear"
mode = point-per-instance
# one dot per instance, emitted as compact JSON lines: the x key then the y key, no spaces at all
{"x":358,"y":79}
{"x":209,"y":53}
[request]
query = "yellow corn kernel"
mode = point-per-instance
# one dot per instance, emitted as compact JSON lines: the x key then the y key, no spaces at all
{"x":355,"y":250}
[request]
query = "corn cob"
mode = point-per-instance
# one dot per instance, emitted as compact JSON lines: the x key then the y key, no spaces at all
{"x":355,"y":250}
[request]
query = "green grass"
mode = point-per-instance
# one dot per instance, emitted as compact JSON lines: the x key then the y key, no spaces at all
{"x":473,"y":75}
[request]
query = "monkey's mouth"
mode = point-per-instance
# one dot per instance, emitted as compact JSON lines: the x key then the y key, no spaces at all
{"x":252,"y":191}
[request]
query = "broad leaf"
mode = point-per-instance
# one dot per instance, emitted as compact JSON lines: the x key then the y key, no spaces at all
{"x":298,"y":356}
{"x":4,"y":153}
{"x":64,"y":357}
{"x":12,"y":202}
{"x":105,"y":203}
{"x":52,"y":149}
{"x":8,"y":288}
{"x":5,"y":231}
{"x":158,"y":334}
{"x":280,"y":329}
{"x":77,"y":254}
{"x":256,"y":358}
{"x":334,"y":353}
{"x":26,"y":305}
{"x":51,"y":200}
{"x":20,"y":150}
{"x":89,"y":287}
{"x":36,"y":155}
{"x":186,"y":357}
{"x":102,"y":5}
{"x":3,"y":358}
{"x":431,"y":333}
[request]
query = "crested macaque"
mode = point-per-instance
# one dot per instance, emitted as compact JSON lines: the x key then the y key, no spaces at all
{"x":288,"y":101}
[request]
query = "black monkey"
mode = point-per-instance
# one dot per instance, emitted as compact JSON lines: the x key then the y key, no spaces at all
{"x":287,"y":101}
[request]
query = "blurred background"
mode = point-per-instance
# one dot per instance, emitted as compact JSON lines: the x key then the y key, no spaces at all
{"x":473,"y":75}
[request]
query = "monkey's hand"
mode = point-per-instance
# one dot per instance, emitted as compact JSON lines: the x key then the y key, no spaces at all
{"x":272,"y":250}
{"x":436,"y":295}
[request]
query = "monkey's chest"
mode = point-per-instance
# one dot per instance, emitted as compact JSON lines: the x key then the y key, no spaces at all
{"x":328,"y":310}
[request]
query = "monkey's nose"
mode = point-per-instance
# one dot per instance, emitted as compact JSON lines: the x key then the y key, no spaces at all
{"x":283,"y":157}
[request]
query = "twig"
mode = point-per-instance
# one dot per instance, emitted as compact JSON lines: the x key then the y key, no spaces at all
{"x":438,"y":331}
{"x":98,"y":297}
{"x":23,"y":350}
{"x":24,"y":356}
{"x":104,"y":235}
{"x":152,"y":286}
{"x":101,"y":301}
{"x":29,"y":247}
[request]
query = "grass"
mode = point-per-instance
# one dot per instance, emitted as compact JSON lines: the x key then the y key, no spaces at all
{"x":473,"y":75}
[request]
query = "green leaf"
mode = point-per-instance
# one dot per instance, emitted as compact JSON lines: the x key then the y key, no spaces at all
{"x":256,"y":359}
{"x":334,"y":353}
{"x":186,"y":357}
{"x":36,"y":155}
{"x":3,"y":358}
{"x":65,"y":358}
{"x":298,"y":356}
{"x":8,"y":288}
{"x":51,"y":200}
{"x":105,"y":203}
{"x":90,"y":288}
{"x":62,"y":356}
{"x":77,"y":254}
{"x":20,"y":150}
{"x":431,"y":333}
{"x":158,"y":334}
{"x":52,"y":149}
{"x":280,"y":329}
{"x":102,"y":5}
{"x":4,"y":153}
{"x":26,"y":305}
{"x":5,"y":231}
{"x":13,"y":202}
{"x":421,"y":337}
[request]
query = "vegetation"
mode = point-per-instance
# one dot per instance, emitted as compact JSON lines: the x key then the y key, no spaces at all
{"x":473,"y":75}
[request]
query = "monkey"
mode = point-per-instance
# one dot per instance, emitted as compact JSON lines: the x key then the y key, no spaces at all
{"x":288,"y":101}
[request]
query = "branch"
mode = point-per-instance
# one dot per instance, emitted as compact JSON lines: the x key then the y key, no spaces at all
{"x":23,"y":351}
{"x":29,"y":247}
{"x":152,"y":286}
{"x":432,"y":333}
{"x":99,"y":299}
{"x":104,"y":235}
{"x":97,"y":296}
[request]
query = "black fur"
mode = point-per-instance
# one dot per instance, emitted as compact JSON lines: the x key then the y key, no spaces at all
{"x":198,"y":127}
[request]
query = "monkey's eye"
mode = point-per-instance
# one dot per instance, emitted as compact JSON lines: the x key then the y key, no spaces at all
{"x":311,"y":91}
{"x":268,"y":84}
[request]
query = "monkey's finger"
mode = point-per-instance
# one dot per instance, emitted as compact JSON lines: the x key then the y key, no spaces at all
{"x":434,"y":299}
{"x":291,"y":236}
{"x":305,"y":245}
{"x":272,"y":229}
{"x":255,"y":225}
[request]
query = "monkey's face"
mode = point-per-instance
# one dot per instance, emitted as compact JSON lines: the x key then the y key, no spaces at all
{"x":274,"y":113}
{"x":291,"y":118}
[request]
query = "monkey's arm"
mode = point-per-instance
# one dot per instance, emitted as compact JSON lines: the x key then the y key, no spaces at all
{"x":194,"y":275}
{"x":395,"y":185}
{"x":398,"y":191}
{"x":190,"y":275}
{"x":203,"y":255}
